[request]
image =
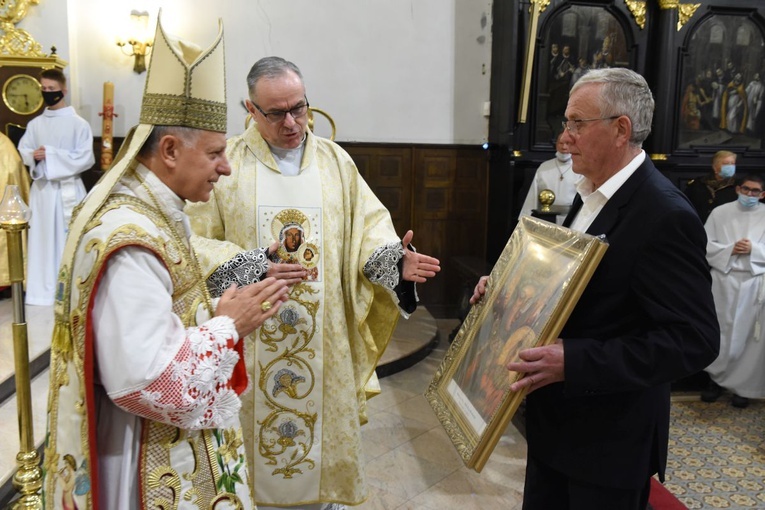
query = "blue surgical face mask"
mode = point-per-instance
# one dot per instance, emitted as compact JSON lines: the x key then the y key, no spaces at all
{"x":747,"y":201}
{"x":727,"y":171}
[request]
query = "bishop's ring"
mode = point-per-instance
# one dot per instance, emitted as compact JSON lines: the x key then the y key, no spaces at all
{"x":265,"y":305}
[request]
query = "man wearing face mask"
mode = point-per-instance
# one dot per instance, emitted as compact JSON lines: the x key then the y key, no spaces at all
{"x":736,"y":254}
{"x":555,"y":175}
{"x":708,"y":191}
{"x":57,"y":147}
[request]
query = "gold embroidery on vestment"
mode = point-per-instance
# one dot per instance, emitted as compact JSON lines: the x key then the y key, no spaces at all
{"x":286,"y":435}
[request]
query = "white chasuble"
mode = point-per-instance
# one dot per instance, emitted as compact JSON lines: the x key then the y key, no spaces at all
{"x":311,"y":362}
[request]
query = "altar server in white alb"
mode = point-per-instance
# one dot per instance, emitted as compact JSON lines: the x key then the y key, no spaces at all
{"x":57,"y":147}
{"x":556,"y":175}
{"x":736,"y":252}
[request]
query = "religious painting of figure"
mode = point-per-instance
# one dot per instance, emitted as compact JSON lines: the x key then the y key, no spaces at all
{"x":530,"y":294}
{"x":296,"y":231}
{"x":721,"y":101}
{"x":576,"y":39}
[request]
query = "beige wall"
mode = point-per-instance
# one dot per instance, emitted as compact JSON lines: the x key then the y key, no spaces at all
{"x":387,"y":70}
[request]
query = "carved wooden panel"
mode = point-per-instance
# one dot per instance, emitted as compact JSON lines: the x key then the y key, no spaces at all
{"x":439,"y":192}
{"x":450,"y":215}
{"x":388,"y":171}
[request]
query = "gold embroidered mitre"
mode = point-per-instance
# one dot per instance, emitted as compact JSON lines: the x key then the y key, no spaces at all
{"x":185,"y":86}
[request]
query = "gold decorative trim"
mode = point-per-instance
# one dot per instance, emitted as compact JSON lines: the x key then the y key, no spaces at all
{"x":637,"y":9}
{"x":287,"y":434}
{"x":517,"y":154}
{"x":684,"y":11}
{"x":543,"y":4}
{"x":173,"y":110}
{"x":12,"y":124}
{"x":43,"y":62}
{"x":537,"y":6}
{"x":16,"y":41}
{"x":329,"y":118}
{"x":658,"y":157}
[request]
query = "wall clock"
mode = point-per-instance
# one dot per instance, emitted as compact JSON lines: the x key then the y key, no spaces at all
{"x":22,"y":94}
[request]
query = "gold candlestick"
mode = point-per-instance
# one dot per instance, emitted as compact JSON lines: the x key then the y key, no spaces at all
{"x":14,"y":219}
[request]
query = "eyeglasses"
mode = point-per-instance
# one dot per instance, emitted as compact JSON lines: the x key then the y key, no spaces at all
{"x":277,"y":116}
{"x":572,"y":126}
{"x":752,"y":192}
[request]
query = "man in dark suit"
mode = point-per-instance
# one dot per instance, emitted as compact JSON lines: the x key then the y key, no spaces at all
{"x":598,"y":405}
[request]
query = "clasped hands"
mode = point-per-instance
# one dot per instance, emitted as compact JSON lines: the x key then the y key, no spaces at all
{"x":540,"y":365}
{"x":39,"y":153}
{"x":742,"y":247}
{"x":244,"y":304}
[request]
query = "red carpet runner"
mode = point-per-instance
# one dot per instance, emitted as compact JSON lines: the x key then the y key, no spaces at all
{"x":661,"y":499}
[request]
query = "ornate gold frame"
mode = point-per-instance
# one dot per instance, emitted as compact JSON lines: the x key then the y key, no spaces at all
{"x":530,"y":294}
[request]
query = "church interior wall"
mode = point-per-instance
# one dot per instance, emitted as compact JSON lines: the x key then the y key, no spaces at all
{"x":412,"y":71}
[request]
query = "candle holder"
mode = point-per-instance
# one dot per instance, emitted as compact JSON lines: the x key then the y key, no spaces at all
{"x":546,"y":199}
{"x":139,"y":41}
{"x":14,"y":219}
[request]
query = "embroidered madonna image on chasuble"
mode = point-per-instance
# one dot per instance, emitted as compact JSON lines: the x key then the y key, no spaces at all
{"x":298,"y":232}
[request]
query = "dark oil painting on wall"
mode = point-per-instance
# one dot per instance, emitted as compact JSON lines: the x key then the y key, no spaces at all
{"x":576,"y":39}
{"x":722,"y":84}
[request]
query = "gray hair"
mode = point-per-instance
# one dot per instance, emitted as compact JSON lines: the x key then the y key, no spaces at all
{"x":269,"y":67}
{"x":187,"y":135}
{"x":624,"y":92}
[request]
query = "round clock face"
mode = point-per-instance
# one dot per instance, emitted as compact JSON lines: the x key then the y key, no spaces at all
{"x":22,"y":94}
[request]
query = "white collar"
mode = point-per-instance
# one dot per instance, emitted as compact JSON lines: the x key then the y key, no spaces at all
{"x":585,"y":188}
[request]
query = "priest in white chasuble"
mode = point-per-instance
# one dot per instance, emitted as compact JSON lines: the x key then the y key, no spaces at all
{"x":295,"y":207}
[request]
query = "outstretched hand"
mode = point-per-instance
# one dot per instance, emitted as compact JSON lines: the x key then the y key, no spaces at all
{"x":417,"y":267}
{"x":245,"y":305}
{"x":541,"y":366}
{"x":290,"y":273}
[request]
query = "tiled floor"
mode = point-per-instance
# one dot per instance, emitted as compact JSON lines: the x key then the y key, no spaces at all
{"x":411,"y":464}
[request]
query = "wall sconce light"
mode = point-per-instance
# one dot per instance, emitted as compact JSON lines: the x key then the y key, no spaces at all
{"x":139,"y":40}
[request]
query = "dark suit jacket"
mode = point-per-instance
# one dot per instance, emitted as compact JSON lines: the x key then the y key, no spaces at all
{"x":645,"y":319}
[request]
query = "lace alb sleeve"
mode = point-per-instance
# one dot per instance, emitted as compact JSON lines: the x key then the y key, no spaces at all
{"x":382,"y":266}
{"x":243,"y":269}
{"x":194,"y":391}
